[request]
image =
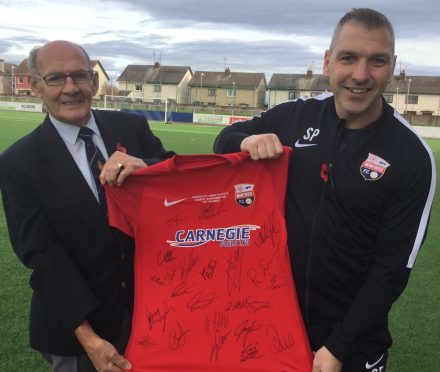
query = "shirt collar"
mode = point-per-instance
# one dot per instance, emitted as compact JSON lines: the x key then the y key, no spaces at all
{"x":69,"y":133}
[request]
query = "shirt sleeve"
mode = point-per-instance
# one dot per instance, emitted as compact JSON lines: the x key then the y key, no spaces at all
{"x":123,"y":204}
{"x":401,"y":234}
{"x":280,"y":176}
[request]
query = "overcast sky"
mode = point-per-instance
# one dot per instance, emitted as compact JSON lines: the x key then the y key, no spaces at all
{"x":269,"y":36}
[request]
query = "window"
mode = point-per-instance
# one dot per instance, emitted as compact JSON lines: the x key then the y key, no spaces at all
{"x":294,"y":95}
{"x":20,"y":80}
{"x":157,"y":88}
{"x":314,"y":94}
{"x":388,"y":98}
{"x":138,"y":87}
{"x":212,"y":92}
{"x":414,"y":100}
{"x":230,"y":92}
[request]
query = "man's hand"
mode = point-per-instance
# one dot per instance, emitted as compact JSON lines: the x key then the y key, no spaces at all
{"x":262,"y":146}
{"x":118,"y":167}
{"x":324,"y":361}
{"x":104,"y":356}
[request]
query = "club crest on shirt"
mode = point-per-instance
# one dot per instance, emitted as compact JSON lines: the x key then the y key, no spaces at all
{"x":244,"y":194}
{"x":374,"y":167}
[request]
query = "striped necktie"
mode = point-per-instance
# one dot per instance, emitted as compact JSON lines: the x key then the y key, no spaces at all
{"x":96,"y":161}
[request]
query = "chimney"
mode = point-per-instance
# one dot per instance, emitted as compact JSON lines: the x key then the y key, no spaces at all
{"x":156,"y":64}
{"x":2,"y":65}
{"x":309,"y":73}
{"x":227,"y":71}
{"x":402,"y":75}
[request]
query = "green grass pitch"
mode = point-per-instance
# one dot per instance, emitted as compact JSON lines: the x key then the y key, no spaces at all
{"x":414,"y":319}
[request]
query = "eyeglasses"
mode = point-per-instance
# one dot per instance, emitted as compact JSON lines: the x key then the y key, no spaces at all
{"x":58,"y":78}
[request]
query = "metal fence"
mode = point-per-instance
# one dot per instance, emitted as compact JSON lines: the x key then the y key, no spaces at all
{"x":214,"y":110}
{"x":420,"y":120}
{"x":21,"y":99}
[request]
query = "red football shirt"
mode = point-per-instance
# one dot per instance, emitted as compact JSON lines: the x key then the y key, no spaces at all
{"x":213,"y":284}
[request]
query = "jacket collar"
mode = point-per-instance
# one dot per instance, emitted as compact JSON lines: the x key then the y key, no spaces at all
{"x":62,"y":171}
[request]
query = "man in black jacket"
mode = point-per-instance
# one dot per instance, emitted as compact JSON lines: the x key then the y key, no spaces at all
{"x":361,"y":186}
{"x":82,"y":270}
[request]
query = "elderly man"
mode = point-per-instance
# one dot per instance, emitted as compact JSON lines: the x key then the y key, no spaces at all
{"x":51,"y":183}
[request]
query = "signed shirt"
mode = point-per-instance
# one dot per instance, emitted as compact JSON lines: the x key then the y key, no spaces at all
{"x":213,"y":284}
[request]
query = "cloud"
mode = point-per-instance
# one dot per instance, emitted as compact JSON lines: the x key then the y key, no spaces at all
{"x":284,"y":36}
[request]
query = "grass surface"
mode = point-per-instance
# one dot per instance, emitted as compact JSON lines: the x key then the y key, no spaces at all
{"x":414,"y":319}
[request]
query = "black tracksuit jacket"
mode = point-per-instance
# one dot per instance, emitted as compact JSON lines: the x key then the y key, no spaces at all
{"x":357,"y":215}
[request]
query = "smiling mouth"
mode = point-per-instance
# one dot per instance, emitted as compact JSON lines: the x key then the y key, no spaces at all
{"x":72,"y":103}
{"x":358,"y":90}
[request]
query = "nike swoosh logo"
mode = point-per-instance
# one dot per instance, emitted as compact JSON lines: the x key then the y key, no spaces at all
{"x":368,"y":365}
{"x":167,"y":203}
{"x":297,"y":144}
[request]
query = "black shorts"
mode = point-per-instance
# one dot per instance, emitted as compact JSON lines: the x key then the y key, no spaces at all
{"x":366,"y":363}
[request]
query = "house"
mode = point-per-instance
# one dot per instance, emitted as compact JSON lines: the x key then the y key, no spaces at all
{"x":414,"y":95}
{"x":6,"y":77}
{"x":411,"y":96}
{"x":104,"y":80}
{"x":23,"y":86}
{"x":227,"y":88}
{"x":21,"y":83}
{"x":153,"y":83}
{"x":286,"y":87}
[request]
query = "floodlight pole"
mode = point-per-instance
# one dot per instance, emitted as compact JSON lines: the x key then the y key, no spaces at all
{"x":407,"y":95}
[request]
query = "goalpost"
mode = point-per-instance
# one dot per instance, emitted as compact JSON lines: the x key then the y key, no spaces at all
{"x":141,"y":103}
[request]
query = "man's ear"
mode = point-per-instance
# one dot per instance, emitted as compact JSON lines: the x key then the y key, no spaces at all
{"x":35,"y":86}
{"x":95,"y":82}
{"x":326,"y":63}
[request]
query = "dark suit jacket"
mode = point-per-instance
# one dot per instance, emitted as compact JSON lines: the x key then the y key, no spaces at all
{"x":81,"y":268}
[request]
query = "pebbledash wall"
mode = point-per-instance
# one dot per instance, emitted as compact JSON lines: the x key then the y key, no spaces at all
{"x":428,"y":132}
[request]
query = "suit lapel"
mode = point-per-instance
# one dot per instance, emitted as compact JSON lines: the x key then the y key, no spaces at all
{"x":64,"y":174}
{"x":110,"y":137}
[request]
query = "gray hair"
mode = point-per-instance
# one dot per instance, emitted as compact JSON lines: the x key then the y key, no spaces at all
{"x":33,"y":55}
{"x":368,"y":18}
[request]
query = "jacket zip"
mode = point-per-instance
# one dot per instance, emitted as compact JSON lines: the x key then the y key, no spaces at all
{"x":309,"y":259}
{"x":329,"y":167}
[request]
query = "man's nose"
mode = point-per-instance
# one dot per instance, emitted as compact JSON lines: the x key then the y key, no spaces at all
{"x":69,"y":85}
{"x":361,"y":71}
